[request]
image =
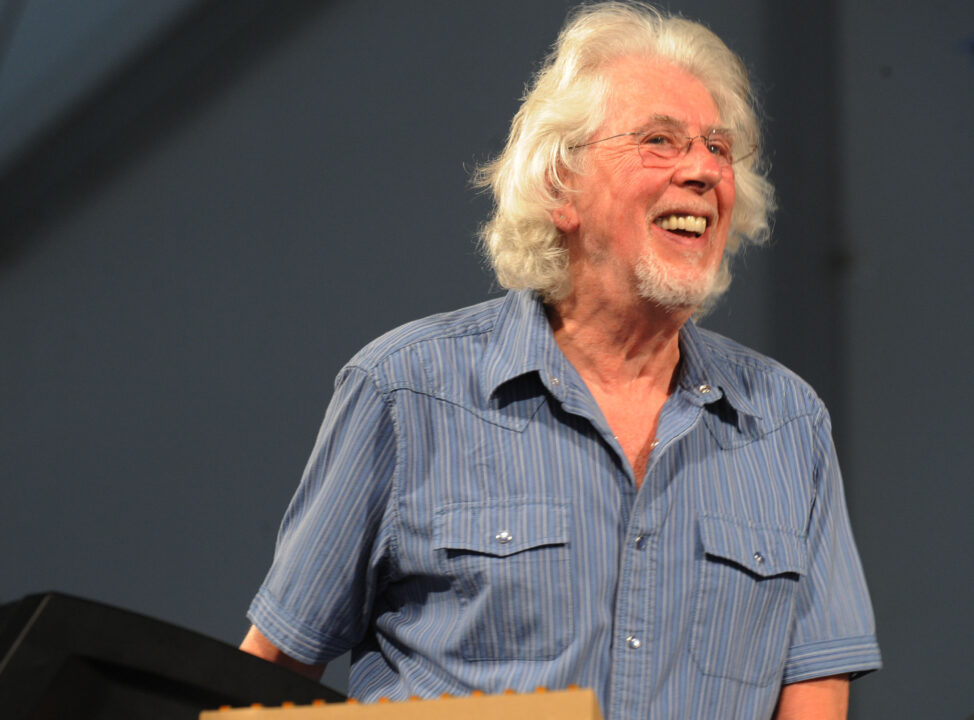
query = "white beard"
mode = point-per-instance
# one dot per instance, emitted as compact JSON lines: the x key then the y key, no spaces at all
{"x":675,"y":288}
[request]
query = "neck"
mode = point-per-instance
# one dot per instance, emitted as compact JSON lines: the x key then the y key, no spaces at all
{"x":619,"y":344}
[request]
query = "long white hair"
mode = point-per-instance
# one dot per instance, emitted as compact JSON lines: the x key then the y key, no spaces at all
{"x":565,"y":104}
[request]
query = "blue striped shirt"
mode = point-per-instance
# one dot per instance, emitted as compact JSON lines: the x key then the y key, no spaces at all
{"x":468,"y":521}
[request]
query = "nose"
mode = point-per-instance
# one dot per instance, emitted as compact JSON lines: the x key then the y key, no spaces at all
{"x":698,"y":168}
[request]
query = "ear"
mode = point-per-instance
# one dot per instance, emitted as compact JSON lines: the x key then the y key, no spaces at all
{"x":565,"y":218}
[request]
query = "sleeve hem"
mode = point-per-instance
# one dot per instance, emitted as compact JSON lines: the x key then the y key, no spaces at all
{"x":856,"y":656}
{"x":290,"y":635}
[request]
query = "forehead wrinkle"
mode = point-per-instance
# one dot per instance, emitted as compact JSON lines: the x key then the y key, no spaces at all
{"x":673,"y":123}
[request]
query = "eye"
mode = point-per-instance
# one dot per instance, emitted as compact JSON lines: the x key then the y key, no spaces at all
{"x":658,"y":139}
{"x":720,"y":146}
{"x":659,"y":143}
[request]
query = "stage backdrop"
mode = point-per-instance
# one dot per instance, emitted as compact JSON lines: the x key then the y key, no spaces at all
{"x":207,"y":207}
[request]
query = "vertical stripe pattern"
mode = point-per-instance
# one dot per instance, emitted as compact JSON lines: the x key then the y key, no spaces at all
{"x":467,"y":521}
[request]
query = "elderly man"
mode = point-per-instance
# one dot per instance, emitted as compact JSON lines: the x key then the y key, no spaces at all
{"x":574,"y":483}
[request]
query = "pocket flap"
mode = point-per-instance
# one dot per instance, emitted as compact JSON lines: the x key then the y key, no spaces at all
{"x":500,"y":528}
{"x":763,"y":551}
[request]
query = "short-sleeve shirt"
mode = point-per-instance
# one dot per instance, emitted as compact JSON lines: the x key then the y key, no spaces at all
{"x":467,"y":521}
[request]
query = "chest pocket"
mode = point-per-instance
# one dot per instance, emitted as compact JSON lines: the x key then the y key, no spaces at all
{"x":746,"y":586}
{"x":509,"y":564}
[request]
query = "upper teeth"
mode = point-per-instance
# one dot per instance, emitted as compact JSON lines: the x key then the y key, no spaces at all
{"x":683,"y":222}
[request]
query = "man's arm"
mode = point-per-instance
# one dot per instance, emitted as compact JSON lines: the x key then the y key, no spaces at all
{"x":819,"y":699}
{"x":308,"y":594}
{"x":256,"y":643}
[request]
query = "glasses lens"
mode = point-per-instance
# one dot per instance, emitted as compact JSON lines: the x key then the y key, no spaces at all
{"x":663,"y":147}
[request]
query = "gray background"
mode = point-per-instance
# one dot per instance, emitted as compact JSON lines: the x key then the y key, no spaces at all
{"x":207,"y":207}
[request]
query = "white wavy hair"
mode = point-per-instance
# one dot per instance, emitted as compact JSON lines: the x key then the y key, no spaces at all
{"x":565,"y":104}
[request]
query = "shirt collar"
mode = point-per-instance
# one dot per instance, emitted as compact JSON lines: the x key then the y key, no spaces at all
{"x":522,"y":343}
{"x":708,"y":377}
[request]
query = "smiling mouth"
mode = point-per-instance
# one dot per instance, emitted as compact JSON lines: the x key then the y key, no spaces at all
{"x":689,"y":225}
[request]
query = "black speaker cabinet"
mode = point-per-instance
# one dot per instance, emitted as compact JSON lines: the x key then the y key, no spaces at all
{"x":65,"y":657}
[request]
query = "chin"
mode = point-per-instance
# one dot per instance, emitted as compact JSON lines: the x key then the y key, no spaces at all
{"x":684,"y":288}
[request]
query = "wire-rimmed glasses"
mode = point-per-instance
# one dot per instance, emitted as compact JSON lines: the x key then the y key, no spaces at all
{"x":663,"y":145}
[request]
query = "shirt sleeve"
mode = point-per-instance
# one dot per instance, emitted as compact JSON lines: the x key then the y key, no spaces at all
{"x":834,"y":631}
{"x":316,"y":600}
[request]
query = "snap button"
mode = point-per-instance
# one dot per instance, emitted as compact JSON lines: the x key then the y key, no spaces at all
{"x":503,"y":537}
{"x":633,"y":642}
{"x":703,"y":389}
{"x":555,"y":381}
{"x":758,"y":558}
{"x":640,"y":542}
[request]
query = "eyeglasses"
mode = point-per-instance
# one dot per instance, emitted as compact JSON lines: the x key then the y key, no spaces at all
{"x":663,"y":146}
